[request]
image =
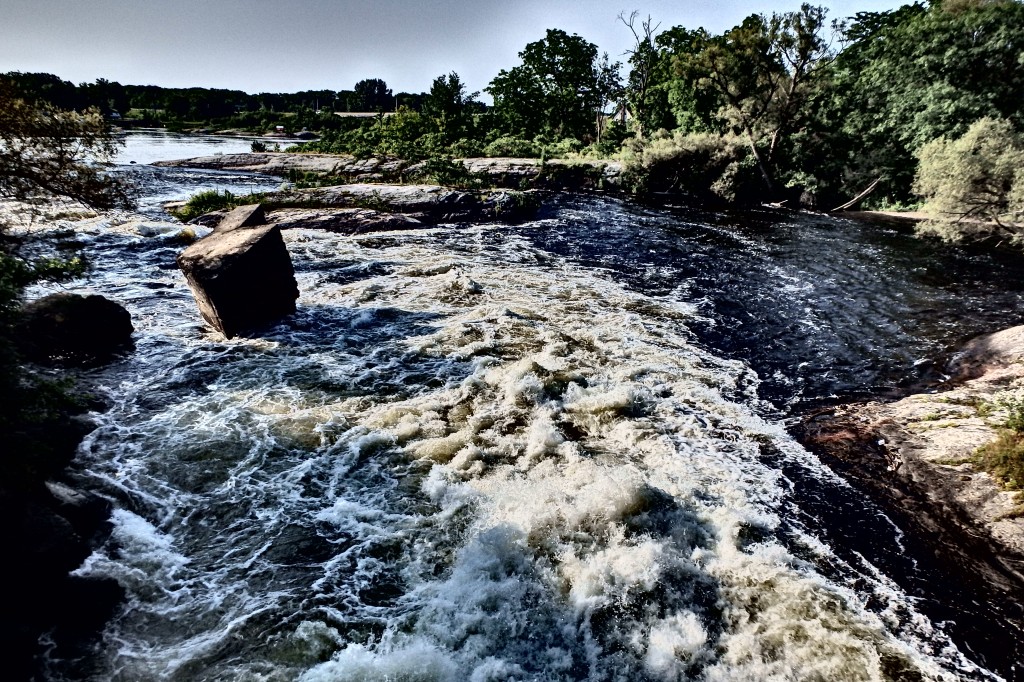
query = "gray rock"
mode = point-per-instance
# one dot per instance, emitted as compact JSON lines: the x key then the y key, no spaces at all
{"x":427,"y":203}
{"x":344,"y":220}
{"x":241,"y":274}
{"x":554,"y":174}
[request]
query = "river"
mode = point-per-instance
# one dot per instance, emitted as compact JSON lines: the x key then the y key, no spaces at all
{"x":547,"y":451}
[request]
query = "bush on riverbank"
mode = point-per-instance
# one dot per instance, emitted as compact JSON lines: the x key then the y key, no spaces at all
{"x":706,"y":166}
{"x":973,"y":185}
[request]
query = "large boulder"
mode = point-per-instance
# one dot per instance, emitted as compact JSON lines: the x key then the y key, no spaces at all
{"x":73,"y":329}
{"x":241,"y":274}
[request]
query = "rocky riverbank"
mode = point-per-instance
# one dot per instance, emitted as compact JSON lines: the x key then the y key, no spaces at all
{"x":358,"y":208}
{"x":917,"y":455}
{"x":509,"y":173}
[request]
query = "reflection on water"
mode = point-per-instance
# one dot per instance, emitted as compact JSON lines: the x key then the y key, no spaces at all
{"x":147,"y":146}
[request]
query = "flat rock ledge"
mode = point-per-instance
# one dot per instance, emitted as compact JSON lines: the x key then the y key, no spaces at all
{"x":508,"y":173}
{"x":362,"y":207}
{"x":919,"y":450}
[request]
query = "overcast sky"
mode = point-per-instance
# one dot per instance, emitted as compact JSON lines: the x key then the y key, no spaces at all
{"x":292,"y":45}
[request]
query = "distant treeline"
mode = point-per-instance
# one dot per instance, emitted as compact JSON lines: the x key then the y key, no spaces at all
{"x":200,"y":104}
{"x":788,"y":106}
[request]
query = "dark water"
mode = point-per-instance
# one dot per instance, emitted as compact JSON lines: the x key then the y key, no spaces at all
{"x":819,"y":307}
{"x":553,"y":450}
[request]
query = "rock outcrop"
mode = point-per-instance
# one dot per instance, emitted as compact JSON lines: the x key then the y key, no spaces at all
{"x":241,"y":274}
{"x":510,"y":173}
{"x":424,"y":203}
{"x":917,"y":453}
{"x":73,"y":329}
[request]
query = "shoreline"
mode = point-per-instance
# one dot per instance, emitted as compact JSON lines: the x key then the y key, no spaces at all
{"x":913,"y":454}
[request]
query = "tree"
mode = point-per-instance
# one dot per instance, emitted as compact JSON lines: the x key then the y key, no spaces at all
{"x":45,"y":153}
{"x":975,"y":183}
{"x":916,"y":74}
{"x":554,"y":92}
{"x":373,"y":94}
{"x":609,"y":89}
{"x":763,"y":72}
{"x":449,"y":107}
{"x":643,"y":60}
{"x":48,"y":152}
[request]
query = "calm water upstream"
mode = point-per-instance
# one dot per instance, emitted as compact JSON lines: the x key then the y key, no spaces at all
{"x":549,"y":451}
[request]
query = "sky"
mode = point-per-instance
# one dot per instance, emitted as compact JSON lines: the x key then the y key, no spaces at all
{"x":293,"y":45}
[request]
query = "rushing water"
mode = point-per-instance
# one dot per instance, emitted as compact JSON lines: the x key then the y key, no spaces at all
{"x":549,"y":451}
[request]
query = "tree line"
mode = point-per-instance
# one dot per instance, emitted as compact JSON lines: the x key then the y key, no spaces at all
{"x":792,"y":106}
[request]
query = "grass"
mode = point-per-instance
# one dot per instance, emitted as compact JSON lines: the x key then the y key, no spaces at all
{"x":211,"y":200}
{"x":1004,"y":457}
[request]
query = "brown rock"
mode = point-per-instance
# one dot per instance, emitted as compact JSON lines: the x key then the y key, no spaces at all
{"x":241,"y":275}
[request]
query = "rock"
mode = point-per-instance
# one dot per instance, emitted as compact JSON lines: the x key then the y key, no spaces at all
{"x":426,"y":203}
{"x":73,"y":329}
{"x":241,"y":274}
{"x":553,"y":174}
{"x":41,"y":537}
{"x":917,"y":454}
{"x":990,"y":351}
{"x":87,"y":513}
{"x":344,"y":220}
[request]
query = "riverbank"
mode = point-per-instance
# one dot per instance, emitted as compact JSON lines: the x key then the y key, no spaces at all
{"x":917,"y":454}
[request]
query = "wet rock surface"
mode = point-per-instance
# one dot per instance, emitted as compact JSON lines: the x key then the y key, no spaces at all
{"x":916,"y":453}
{"x":425,"y":203}
{"x":241,"y":275}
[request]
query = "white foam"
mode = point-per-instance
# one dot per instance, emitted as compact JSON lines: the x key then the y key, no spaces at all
{"x":572,"y":486}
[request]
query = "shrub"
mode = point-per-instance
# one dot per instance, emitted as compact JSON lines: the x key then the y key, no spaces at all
{"x":258,"y":147}
{"x":466,"y":148}
{"x":973,"y":186}
{"x":706,"y":166}
{"x":1004,"y":457}
{"x":445,"y":171}
{"x":564,"y":148}
{"x":515,"y":147}
{"x":205,"y":202}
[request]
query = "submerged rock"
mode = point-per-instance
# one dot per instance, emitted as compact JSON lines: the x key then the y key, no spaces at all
{"x":73,"y":329}
{"x":241,"y":274}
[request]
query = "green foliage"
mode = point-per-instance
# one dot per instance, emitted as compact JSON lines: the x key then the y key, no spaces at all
{"x":207,"y":202}
{"x":915,"y":74}
{"x":706,"y":166}
{"x":449,"y":108}
{"x":972,"y":185}
{"x":466,"y":148}
{"x":45,"y":153}
{"x":558,"y":90}
{"x":511,"y":146}
{"x":1014,"y":416}
{"x":1004,"y":456}
{"x":373,"y":94}
{"x":442,"y":170}
{"x":763,"y":73}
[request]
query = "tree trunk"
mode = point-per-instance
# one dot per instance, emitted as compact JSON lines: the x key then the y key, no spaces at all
{"x":760,"y":163}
